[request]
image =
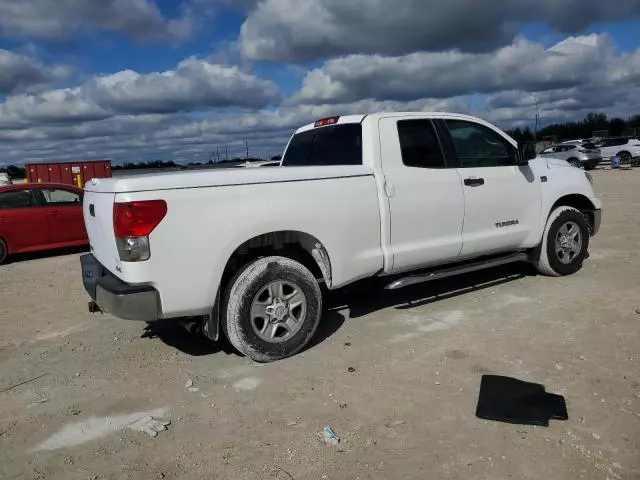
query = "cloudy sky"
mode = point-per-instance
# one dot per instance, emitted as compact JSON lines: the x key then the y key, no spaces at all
{"x":134,"y":80}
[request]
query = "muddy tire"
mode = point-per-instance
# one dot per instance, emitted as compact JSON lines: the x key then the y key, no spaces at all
{"x":565,"y":243}
{"x":3,"y":252}
{"x":271,"y":309}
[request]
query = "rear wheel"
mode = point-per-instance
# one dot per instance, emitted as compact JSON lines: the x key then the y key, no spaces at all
{"x":272,"y":309}
{"x":564,"y":244}
{"x":3,"y":252}
{"x":574,"y":162}
{"x":625,"y":158}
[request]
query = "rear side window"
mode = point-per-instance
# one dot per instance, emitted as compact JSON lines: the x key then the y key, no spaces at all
{"x":479,"y":146}
{"x":334,"y":145}
{"x":419,"y":144}
{"x":17,"y":199}
{"x":61,"y":197}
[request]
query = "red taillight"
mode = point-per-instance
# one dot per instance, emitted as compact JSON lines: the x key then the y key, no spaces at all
{"x":326,"y":121}
{"x":138,"y":219}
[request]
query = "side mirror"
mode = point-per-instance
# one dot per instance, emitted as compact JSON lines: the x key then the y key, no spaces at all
{"x":526,"y":152}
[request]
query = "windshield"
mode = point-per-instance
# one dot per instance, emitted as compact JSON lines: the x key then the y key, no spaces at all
{"x":334,"y":145}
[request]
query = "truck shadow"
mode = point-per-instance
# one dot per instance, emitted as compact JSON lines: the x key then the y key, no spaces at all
{"x":361,"y":299}
{"x":186,"y":335}
{"x":369,"y":296}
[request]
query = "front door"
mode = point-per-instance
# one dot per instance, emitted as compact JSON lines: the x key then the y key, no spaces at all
{"x":23,"y":225}
{"x":502,"y":200}
{"x":426,"y":199}
{"x":63,"y":210}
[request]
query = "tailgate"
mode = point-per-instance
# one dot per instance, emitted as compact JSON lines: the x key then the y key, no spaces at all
{"x":98,"y":218}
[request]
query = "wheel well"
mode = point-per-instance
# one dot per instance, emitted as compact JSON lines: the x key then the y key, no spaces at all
{"x":299,"y":246}
{"x":579,"y":202}
{"x":3,"y":244}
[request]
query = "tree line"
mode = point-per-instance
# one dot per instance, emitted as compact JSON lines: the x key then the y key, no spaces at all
{"x":593,"y":122}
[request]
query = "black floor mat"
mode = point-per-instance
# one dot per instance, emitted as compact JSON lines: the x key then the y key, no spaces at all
{"x":509,"y":400}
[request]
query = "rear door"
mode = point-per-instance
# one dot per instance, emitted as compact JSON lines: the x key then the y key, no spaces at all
{"x":23,"y":225}
{"x":63,"y":210}
{"x":609,"y":147}
{"x":425,"y":196}
{"x":502,"y":201}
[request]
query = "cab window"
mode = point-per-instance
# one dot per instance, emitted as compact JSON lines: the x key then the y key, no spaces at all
{"x":333,"y":145}
{"x":419,"y":144}
{"x":480,"y":146}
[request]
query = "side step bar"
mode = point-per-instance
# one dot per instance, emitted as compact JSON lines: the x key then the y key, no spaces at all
{"x":456,"y":270}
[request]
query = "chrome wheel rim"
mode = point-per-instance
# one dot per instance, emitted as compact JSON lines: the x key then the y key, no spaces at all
{"x":278,"y":311}
{"x":568,"y":242}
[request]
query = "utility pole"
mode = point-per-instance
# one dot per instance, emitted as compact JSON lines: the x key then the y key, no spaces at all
{"x":246,"y":144}
{"x":535,"y":135}
{"x":226,"y":151}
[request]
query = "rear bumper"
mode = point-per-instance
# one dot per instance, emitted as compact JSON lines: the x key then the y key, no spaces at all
{"x":120,"y":299}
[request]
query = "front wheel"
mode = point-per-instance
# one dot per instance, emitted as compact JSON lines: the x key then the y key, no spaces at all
{"x":574,"y":162}
{"x":565,"y":243}
{"x":272,"y":309}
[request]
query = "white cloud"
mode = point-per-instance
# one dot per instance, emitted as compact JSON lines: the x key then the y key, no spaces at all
{"x":59,"y":20}
{"x":295,"y":30}
{"x":523,"y":65}
{"x":194,"y":85}
{"x":20,"y":73}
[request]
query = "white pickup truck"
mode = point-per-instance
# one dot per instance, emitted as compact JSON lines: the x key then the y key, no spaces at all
{"x":409,"y":196}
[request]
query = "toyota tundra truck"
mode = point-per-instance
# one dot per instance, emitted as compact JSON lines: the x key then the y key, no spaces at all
{"x":410,"y":197}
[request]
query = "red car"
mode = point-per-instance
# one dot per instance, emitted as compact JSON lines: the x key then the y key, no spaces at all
{"x":40,"y":216}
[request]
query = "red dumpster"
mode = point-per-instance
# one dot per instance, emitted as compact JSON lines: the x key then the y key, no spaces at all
{"x":70,"y":173}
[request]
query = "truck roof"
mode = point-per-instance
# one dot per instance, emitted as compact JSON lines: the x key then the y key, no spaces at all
{"x":339,"y":120}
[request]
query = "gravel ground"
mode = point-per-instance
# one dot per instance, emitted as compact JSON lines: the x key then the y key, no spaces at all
{"x":396,"y":375}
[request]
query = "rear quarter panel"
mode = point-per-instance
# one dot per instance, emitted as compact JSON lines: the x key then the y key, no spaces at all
{"x":204,"y":226}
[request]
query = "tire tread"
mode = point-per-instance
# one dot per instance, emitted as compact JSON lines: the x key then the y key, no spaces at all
{"x":236,"y":292}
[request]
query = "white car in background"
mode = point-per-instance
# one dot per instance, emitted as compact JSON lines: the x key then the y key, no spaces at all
{"x":627,"y":149}
{"x":577,"y":154}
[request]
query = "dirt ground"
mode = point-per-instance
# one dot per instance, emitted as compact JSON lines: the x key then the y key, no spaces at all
{"x":396,"y":375}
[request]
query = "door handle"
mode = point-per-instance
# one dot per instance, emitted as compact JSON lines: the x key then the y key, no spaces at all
{"x":473,"y":182}
{"x":54,"y":213}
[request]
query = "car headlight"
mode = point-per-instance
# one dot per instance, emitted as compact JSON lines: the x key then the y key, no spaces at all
{"x":589,"y":177}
